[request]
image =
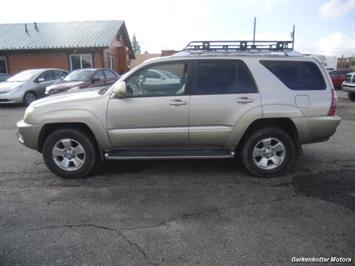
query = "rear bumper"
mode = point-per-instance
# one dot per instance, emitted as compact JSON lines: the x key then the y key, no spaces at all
{"x":321,"y":128}
{"x":27,"y":134}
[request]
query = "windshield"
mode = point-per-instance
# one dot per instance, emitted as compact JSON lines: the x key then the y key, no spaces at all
{"x":80,"y":75}
{"x":24,"y":76}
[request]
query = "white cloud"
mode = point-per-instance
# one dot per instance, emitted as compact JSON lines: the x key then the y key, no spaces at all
{"x":334,"y":44}
{"x":337,"y":44}
{"x":336,"y":8}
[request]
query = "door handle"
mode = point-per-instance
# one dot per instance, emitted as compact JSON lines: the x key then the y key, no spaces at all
{"x":245,"y":100}
{"x":177,"y":102}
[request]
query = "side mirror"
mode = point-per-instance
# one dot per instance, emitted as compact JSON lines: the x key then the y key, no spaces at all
{"x":120,"y":89}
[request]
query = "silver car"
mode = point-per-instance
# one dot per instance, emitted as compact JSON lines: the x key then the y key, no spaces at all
{"x":260,"y":106}
{"x":28,"y":85}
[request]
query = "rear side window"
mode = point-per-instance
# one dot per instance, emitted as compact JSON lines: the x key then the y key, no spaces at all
{"x":297,"y":75}
{"x":222,"y":77}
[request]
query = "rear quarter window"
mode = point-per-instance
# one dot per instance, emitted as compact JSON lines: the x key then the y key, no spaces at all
{"x":296,"y":75}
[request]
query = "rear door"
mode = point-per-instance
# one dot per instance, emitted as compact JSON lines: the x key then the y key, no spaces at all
{"x":222,"y":91}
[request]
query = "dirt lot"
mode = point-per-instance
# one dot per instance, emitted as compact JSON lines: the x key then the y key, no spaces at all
{"x":204,"y":212}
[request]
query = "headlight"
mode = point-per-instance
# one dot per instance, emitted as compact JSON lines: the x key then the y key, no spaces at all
{"x":28,"y":112}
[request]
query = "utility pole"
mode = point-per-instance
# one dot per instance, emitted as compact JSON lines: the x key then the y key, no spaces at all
{"x":254,"y":31}
{"x":293,"y":37}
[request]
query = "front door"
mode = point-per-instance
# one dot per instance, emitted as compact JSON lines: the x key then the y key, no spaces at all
{"x":154,"y":112}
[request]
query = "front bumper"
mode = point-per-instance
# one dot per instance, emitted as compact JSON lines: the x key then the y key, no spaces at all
{"x":27,"y":134}
{"x":348,"y":87}
{"x":10,"y":97}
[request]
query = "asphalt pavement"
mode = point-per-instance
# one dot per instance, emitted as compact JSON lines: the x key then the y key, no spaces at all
{"x":197,"y":212}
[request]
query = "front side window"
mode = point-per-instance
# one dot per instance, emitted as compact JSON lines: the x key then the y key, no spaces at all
{"x":46,"y":76}
{"x":110,"y":75}
{"x":222,"y":77}
{"x":296,"y":75}
{"x":3,"y":64}
{"x":79,"y":61}
{"x":59,"y":74}
{"x":99,"y":76}
{"x":167,"y":79}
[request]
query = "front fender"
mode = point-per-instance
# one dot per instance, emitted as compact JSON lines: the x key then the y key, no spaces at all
{"x":76,"y":116}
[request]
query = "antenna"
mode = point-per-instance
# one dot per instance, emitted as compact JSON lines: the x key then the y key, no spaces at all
{"x":254,"y":31}
{"x":26,"y":29}
{"x":293,"y":36}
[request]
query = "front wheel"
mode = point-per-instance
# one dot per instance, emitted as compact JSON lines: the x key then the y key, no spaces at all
{"x":69,"y":153}
{"x":29,"y":97}
{"x":268,"y":152}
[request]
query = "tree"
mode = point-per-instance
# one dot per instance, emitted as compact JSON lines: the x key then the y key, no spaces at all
{"x":135,"y":45}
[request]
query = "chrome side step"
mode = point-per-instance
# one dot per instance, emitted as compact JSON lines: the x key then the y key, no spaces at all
{"x":168,"y":154}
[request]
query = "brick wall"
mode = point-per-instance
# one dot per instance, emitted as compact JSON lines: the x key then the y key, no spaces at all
{"x":22,"y":61}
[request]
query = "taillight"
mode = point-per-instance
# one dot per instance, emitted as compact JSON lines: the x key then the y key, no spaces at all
{"x":333,"y":105}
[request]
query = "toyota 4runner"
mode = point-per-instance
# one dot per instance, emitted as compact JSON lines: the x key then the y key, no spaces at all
{"x":256,"y":101}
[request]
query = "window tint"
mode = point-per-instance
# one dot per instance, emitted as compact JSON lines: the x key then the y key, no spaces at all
{"x":47,"y":76}
{"x":222,"y":77}
{"x":297,"y":75}
{"x":169,"y":81}
{"x":59,"y":74}
{"x":110,"y":75}
{"x":99,"y":75}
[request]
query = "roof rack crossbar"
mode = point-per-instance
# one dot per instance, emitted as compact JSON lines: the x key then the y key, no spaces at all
{"x":242,"y":45}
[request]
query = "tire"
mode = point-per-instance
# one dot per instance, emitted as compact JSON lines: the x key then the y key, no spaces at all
{"x":351,"y":96}
{"x":268,"y":152}
{"x":69,"y":153}
{"x":29,"y":97}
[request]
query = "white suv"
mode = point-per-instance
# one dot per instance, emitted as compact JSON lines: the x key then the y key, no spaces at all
{"x":213,"y":100}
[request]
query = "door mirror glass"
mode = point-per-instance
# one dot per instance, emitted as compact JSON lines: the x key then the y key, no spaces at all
{"x":120,"y":89}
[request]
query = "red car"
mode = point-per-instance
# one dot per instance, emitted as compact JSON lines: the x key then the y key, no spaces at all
{"x":84,"y":78}
{"x":338,"y":76}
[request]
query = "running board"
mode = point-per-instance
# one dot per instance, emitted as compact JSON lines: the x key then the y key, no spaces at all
{"x":168,"y":154}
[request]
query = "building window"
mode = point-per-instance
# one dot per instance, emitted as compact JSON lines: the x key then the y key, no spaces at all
{"x":3,"y":64}
{"x":112,"y":63}
{"x":79,"y":61}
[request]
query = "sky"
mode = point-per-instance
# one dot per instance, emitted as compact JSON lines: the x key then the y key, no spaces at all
{"x":322,"y":26}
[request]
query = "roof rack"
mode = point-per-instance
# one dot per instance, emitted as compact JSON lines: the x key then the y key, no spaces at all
{"x":239,"y":46}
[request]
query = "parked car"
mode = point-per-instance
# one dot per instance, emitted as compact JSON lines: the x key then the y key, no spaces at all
{"x":28,"y":85}
{"x":4,"y":76}
{"x":261,"y":107}
{"x":338,"y":76}
{"x":349,"y":85}
{"x":84,"y":78}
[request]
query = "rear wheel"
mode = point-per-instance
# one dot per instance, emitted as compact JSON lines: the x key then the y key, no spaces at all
{"x":351,"y":96}
{"x":268,"y":152}
{"x":29,"y":97}
{"x":69,"y":153}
